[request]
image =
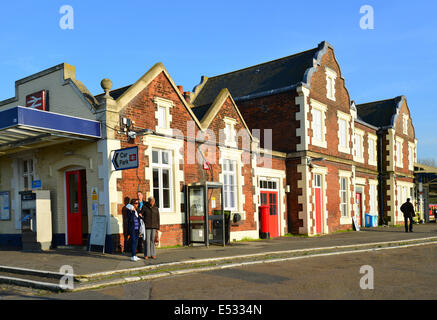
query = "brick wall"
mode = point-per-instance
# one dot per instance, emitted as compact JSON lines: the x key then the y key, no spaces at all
{"x":276,"y":113}
{"x":141,"y":109}
{"x":217,"y":125}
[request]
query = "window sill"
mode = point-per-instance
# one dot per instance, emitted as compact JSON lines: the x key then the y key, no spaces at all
{"x":344,"y":150}
{"x":166,"y":131}
{"x":321,"y":144}
{"x":360,"y":160}
{"x":345,"y":220}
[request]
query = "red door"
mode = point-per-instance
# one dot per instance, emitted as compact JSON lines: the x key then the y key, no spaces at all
{"x":270,"y":198}
{"x":318,"y":199}
{"x":360,"y":208}
{"x":74,"y":207}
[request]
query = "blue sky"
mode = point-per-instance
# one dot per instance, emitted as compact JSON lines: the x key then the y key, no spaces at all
{"x":121,"y":40}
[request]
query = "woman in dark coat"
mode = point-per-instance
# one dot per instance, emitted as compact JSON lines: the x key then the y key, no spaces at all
{"x":150,"y":214}
{"x":133,"y":221}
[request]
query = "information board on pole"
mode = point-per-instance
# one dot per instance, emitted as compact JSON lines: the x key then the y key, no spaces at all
{"x":98,"y":232}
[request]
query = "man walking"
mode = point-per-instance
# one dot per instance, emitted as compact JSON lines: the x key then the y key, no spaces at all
{"x":408,"y":210}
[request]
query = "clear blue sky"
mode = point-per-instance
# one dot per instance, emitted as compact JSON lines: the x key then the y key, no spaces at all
{"x":121,"y":40}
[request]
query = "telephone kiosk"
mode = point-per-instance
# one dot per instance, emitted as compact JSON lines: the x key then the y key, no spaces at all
{"x":36,"y":220}
{"x":206,"y":220}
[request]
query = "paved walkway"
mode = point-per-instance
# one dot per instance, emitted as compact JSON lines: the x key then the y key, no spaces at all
{"x":84,"y":262}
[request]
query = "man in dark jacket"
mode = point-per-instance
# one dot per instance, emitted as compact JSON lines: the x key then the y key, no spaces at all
{"x":150,"y":214}
{"x":408,"y":210}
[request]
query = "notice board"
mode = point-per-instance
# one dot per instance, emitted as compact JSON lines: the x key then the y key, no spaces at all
{"x":98,"y":232}
{"x":5,"y":208}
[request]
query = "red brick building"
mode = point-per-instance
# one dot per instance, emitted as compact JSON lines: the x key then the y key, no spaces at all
{"x":284,"y":133}
{"x":339,"y":163}
{"x":174,"y":139}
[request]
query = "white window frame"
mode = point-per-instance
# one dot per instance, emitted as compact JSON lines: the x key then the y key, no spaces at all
{"x":161,"y":104}
{"x":372,"y":145}
{"x":235,"y":154}
{"x":266,"y":180}
{"x":359,"y":157}
{"x":317,"y":124}
{"x":230,"y":132}
{"x":160,"y":166}
{"x":315,"y":105}
{"x":28,"y":175}
{"x":344,"y":194}
{"x":399,"y":152}
{"x":373,"y":196}
{"x":346,"y":118}
{"x":227,"y":192}
{"x":411,"y":155}
{"x":331,"y":77}
{"x":346,"y":175}
{"x":405,"y":124}
{"x":162,"y":117}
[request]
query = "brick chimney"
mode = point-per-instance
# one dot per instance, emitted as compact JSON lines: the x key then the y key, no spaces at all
{"x":181,"y":89}
{"x":187,"y":96}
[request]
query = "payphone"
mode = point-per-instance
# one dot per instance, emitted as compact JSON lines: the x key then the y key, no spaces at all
{"x":206,"y":220}
{"x":36,"y":220}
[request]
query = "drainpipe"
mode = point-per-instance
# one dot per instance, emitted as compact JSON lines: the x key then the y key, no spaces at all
{"x":380,"y":178}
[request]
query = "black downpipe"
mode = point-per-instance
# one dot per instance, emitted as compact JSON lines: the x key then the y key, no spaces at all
{"x":381,"y":179}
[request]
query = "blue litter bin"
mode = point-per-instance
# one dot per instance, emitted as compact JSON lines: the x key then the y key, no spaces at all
{"x":368,"y":220}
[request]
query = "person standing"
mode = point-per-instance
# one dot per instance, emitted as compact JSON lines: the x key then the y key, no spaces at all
{"x":133,"y":227}
{"x":141,"y":201}
{"x":152,"y":223}
{"x":141,"y":204}
{"x":408,"y":210}
{"x":124,"y":213}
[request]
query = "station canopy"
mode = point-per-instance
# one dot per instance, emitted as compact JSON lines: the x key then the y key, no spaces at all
{"x":24,"y":128}
{"x":427,"y":175}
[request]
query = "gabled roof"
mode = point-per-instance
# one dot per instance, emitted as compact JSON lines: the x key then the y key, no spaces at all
{"x":380,"y":113}
{"x":207,"y":113}
{"x":69,"y":76}
{"x":262,"y":79}
{"x":116,"y":93}
{"x":124,"y":95}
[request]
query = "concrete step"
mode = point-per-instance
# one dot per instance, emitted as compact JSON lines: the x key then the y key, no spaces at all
{"x":52,"y":280}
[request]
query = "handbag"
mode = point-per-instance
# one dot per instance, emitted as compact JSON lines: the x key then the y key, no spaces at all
{"x":156,"y":236}
{"x":142,"y":229}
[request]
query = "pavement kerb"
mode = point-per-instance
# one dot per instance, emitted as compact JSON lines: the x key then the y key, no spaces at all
{"x":89,"y":277}
{"x":127,"y":279}
{"x":31,"y":283}
{"x":34,"y":272}
{"x":234,"y":265}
